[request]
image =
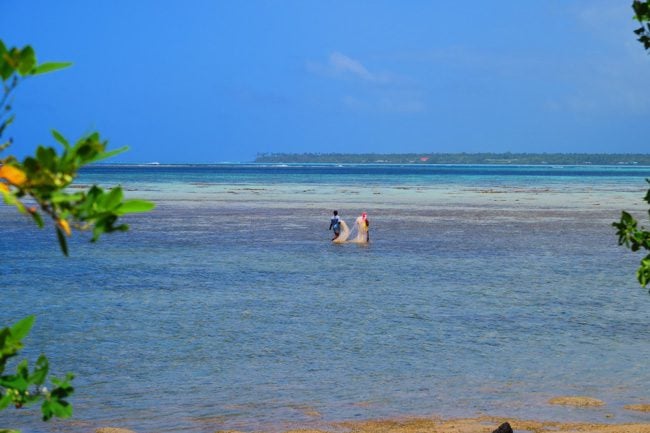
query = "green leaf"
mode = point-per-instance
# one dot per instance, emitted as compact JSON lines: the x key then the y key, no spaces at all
{"x":4,"y":402}
{"x":16,"y":382}
{"x":100,"y":227}
{"x":12,"y":200}
{"x":134,"y":206}
{"x":40,"y":371}
{"x":9,"y":347}
{"x":21,"y":328}
{"x":62,"y":242}
{"x":46,"y":156}
{"x":45,"y":68}
{"x":112,"y":200}
{"x":27,"y":60}
{"x":109,"y":154}
{"x":6,"y":68}
{"x":61,"y":139}
{"x":58,"y":408}
{"x":8,"y":197}
{"x":23,"y":369}
{"x":643,"y":273}
{"x":61,"y":197}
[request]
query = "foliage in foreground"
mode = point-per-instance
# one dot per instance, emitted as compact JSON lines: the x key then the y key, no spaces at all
{"x":635,"y":238}
{"x":642,"y":15}
{"x":25,"y":386}
{"x":629,"y":233}
{"x":37,"y":186}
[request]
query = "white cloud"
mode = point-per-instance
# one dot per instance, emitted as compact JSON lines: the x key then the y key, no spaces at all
{"x":340,"y":66}
{"x":364,"y":90}
{"x":343,"y":64}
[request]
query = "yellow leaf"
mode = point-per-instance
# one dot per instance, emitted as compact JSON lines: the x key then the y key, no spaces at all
{"x":64,"y":226}
{"x":14,"y":175}
{"x":4,"y":187}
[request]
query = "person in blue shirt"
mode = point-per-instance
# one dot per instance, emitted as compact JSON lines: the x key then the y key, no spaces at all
{"x":335,"y":224}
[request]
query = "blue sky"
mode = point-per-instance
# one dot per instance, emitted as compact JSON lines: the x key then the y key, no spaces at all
{"x":211,"y":81}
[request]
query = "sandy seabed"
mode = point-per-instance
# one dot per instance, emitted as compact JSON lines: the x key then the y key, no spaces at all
{"x":481,"y":424}
{"x":458,"y":425}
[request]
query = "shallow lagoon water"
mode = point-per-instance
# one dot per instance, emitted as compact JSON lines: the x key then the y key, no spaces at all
{"x":484,"y":290}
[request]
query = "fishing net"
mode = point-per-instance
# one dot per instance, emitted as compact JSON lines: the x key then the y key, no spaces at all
{"x":358,"y":234}
{"x":343,"y":236}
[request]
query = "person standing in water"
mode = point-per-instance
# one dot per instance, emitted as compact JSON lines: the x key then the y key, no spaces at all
{"x":367,"y":221}
{"x":335,"y":224}
{"x":363,"y":228}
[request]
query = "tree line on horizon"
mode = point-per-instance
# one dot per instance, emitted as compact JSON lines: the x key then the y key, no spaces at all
{"x":459,"y":158}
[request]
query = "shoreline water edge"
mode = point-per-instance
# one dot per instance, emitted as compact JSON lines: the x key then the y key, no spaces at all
{"x":482,"y":424}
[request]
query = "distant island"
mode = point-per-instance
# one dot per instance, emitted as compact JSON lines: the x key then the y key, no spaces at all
{"x":459,"y":158}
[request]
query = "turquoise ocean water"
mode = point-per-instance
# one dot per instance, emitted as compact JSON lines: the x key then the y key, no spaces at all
{"x":485,"y":290}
